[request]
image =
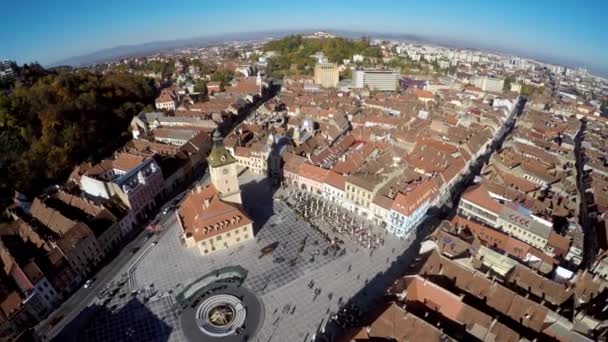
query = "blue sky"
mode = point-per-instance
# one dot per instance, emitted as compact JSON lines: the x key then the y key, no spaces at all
{"x":48,"y":31}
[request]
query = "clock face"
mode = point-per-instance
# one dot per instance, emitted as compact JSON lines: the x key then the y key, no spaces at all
{"x":225,"y":171}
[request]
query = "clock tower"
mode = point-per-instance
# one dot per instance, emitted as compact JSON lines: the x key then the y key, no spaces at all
{"x":222,"y":167}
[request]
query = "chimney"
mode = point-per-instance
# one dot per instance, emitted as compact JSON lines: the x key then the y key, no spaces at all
{"x":206,"y":203}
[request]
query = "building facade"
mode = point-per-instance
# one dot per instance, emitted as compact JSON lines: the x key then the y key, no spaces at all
{"x":380,"y":80}
{"x":410,"y":206}
{"x":487,"y":83}
{"x":136,"y":180}
{"x":223,"y":171}
{"x":327,"y":75}
{"x":211,"y":218}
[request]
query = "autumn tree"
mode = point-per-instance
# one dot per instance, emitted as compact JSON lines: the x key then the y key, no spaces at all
{"x":62,"y":119}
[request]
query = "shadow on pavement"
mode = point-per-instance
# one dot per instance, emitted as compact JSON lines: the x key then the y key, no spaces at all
{"x":258,"y":201}
{"x":133,"y":322}
{"x":359,"y":307}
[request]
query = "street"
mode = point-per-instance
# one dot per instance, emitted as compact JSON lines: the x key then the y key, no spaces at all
{"x":81,"y":298}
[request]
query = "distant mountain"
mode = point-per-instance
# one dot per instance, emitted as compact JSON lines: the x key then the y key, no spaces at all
{"x":124,"y":51}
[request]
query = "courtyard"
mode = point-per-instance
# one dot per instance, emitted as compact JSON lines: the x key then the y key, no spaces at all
{"x":299,"y":285}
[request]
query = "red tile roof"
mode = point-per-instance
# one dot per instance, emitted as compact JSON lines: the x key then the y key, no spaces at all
{"x":422,"y":94}
{"x":335,"y":179}
{"x":394,"y":323}
{"x":204,"y":215}
{"x":312,"y":172}
{"x":478,"y":194}
{"x":410,"y":198}
{"x":51,"y":218}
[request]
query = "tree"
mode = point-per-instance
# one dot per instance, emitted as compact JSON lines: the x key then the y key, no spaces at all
{"x":62,"y":119}
{"x":507,"y":85}
{"x":201,"y":88}
{"x":604,"y":108}
{"x":254,"y":57}
{"x":346,"y":74}
{"x":222,"y":75}
{"x":294,"y":53}
{"x":529,"y":90}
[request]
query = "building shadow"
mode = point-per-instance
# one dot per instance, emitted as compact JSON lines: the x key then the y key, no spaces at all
{"x":258,"y":201}
{"x":133,"y":322}
{"x":372,"y":294}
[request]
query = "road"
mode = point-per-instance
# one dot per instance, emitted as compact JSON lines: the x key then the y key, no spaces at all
{"x":373,"y":291}
{"x":79,"y":300}
{"x":82,"y":297}
{"x":586,"y":221}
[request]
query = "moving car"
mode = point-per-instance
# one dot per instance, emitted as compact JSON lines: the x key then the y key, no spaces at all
{"x":268,"y":249}
{"x":88,"y":283}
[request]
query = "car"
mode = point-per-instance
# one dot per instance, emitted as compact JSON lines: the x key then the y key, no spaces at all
{"x":88,"y":283}
{"x":165,"y":211}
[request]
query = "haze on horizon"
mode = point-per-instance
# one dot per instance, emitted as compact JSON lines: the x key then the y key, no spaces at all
{"x":561,"y":31}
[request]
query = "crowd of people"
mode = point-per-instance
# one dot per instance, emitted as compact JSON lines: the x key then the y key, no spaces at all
{"x":321,"y":213}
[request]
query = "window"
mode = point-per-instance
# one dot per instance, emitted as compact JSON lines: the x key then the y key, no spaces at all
{"x":246,"y":236}
{"x":228,"y":234}
{"x":218,"y":238}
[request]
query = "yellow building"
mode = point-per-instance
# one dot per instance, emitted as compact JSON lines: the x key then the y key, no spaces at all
{"x":223,"y":172}
{"x":327,"y":75}
{"x":210,"y":224}
{"x":212,"y":218}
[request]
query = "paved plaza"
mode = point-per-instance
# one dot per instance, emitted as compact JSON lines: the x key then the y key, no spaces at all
{"x":298,"y":284}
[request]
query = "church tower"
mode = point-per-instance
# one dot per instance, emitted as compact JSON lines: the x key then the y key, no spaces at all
{"x":222,"y":167}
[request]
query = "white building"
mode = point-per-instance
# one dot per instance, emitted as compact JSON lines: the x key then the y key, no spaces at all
{"x":333,"y":187}
{"x":167,"y":100}
{"x":487,"y":83}
{"x":381,"y":80}
{"x":136,"y":180}
{"x":358,"y":58}
{"x":410,"y":206}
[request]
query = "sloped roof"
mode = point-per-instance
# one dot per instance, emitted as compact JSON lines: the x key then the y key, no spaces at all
{"x":335,"y":179}
{"x":204,"y":214}
{"x":478,"y":194}
{"x":395,"y":323}
{"x":51,"y":218}
{"x":410,"y":198}
{"x":312,"y":172}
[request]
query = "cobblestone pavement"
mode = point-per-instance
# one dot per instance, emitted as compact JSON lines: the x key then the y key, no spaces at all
{"x":334,"y":220}
{"x":167,"y":266}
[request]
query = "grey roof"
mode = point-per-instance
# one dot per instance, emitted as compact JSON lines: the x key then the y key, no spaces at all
{"x":523,"y":218}
{"x":150,"y":116}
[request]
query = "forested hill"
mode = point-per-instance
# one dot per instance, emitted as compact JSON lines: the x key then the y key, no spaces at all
{"x":294,"y":52}
{"x":52,"y":120}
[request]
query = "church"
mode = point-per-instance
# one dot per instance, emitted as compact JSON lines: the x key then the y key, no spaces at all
{"x":211,"y":217}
